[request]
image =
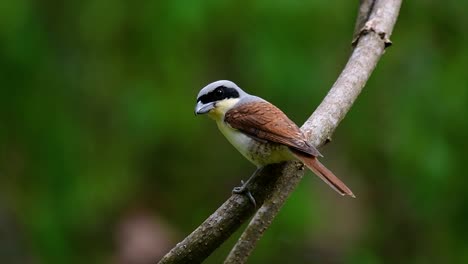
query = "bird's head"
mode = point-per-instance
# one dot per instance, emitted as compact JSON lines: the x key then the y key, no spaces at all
{"x":217,"y":98}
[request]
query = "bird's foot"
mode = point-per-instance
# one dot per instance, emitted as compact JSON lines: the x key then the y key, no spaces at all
{"x":245,"y":190}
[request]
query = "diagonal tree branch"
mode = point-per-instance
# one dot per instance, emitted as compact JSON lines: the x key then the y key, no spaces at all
{"x":279,"y":180}
{"x":219,"y":226}
{"x":370,"y":42}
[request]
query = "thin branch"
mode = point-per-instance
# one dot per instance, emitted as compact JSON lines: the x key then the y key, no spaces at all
{"x":370,"y":44}
{"x":365,"y":9}
{"x":279,"y":180}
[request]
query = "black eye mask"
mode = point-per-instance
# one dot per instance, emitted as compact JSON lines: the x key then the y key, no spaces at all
{"x":218,"y":94}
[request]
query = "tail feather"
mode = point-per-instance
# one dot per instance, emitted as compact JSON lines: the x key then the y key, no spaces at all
{"x":325,"y":174}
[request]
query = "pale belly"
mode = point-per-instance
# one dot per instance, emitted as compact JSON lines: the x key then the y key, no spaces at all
{"x":259,"y":153}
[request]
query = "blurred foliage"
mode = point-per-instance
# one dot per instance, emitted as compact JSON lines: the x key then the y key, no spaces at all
{"x":97,"y":129}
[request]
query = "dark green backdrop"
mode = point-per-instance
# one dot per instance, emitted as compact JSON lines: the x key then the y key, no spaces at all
{"x":103,"y":161}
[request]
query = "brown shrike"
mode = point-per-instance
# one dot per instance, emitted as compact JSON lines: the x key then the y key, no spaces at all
{"x":260,"y":131}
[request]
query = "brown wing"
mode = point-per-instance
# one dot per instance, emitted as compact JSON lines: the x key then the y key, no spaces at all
{"x":264,"y":121}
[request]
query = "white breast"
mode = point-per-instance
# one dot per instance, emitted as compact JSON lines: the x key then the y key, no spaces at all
{"x":257,"y":152}
{"x":239,"y":140}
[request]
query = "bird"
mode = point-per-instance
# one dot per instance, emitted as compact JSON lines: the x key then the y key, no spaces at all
{"x":261,"y":132}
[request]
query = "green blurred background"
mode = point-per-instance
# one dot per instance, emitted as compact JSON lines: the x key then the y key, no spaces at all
{"x":103,"y":161}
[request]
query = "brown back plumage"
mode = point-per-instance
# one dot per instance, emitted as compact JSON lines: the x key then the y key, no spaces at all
{"x":266,"y":122}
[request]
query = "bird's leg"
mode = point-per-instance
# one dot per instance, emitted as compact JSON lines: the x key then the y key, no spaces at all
{"x":244,"y":188}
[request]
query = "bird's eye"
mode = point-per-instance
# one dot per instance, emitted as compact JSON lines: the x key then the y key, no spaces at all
{"x":219,"y":92}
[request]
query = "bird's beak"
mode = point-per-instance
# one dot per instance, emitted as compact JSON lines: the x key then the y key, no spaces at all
{"x":201,"y":108}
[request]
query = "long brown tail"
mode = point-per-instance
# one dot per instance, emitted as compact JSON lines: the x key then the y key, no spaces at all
{"x":325,"y":174}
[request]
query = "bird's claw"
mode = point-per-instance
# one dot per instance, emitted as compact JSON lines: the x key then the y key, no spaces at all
{"x":244,"y":190}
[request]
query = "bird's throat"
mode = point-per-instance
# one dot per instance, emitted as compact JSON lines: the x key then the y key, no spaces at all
{"x":221,"y":108}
